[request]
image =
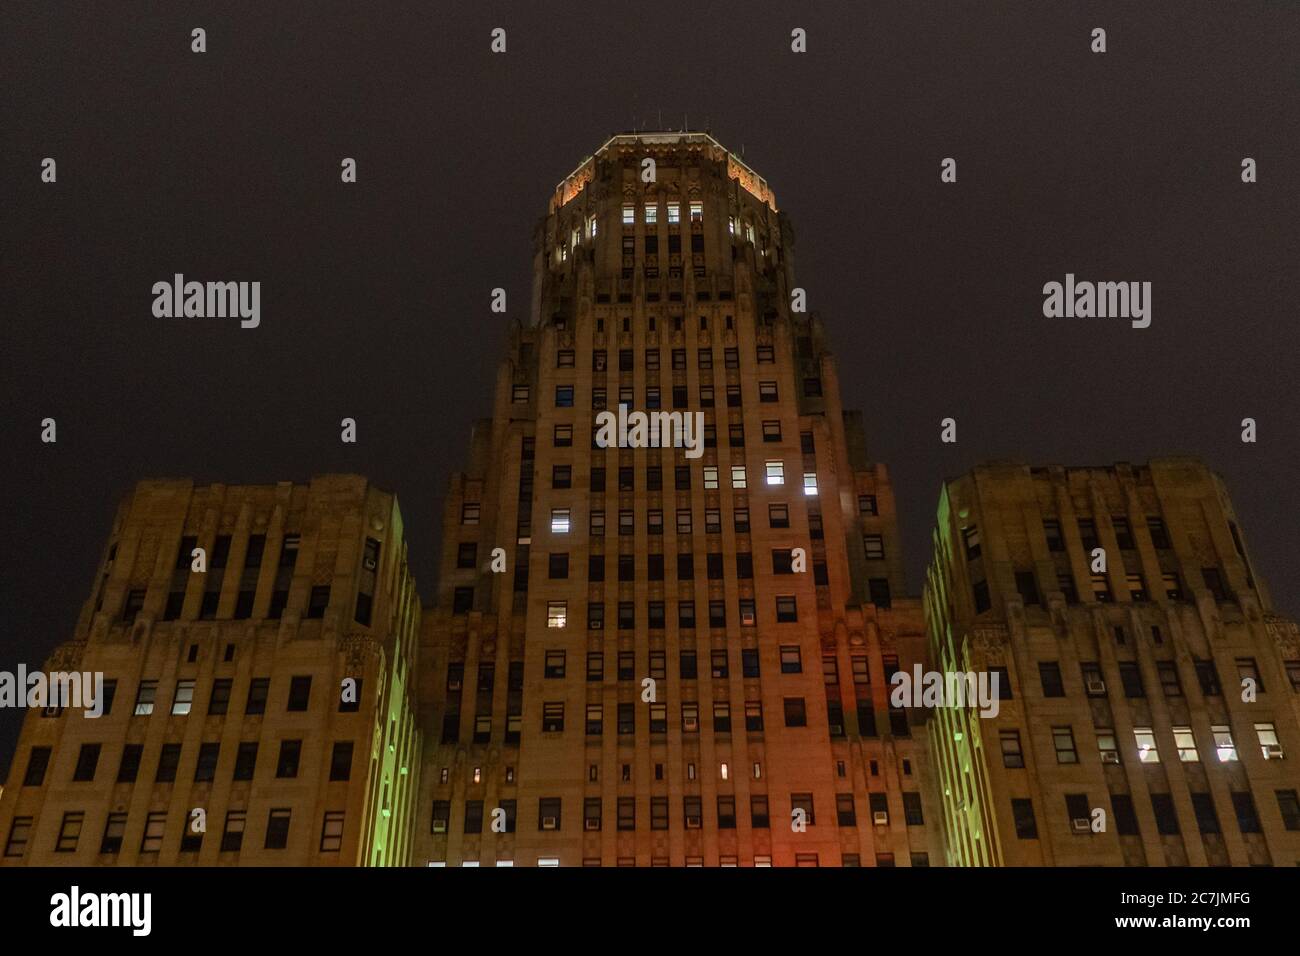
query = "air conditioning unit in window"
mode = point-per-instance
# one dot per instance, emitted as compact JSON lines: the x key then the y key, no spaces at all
{"x":1273,"y":752}
{"x":439,"y":826}
{"x":693,"y":823}
{"x":837,"y":730}
{"x":880,"y":818}
{"x":1096,"y":685}
{"x":1080,"y":825}
{"x":591,"y":823}
{"x":453,"y":685}
{"x":549,"y":823}
{"x":747,"y":618}
{"x":369,"y":563}
{"x":1110,"y":756}
{"x":690,"y":724}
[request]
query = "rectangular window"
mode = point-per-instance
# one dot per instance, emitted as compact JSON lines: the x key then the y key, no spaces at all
{"x":1049,"y":673}
{"x":795,"y":712}
{"x":144,"y":698}
{"x":151,"y":839}
{"x":1012,"y":755}
{"x":1145,"y":739}
{"x":1022,"y":811}
{"x":1063,"y":741}
{"x":168,"y":760}
{"x":286,"y":765}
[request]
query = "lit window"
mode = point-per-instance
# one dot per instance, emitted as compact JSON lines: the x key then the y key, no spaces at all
{"x":1146,"y":745}
{"x":1186,"y":745}
{"x":184,"y":698}
{"x":697,"y":211}
{"x":1223,"y":744}
{"x":674,"y":212}
{"x":1269,"y":745}
{"x":591,"y":226}
{"x":731,"y":225}
{"x":810,"y":483}
{"x":629,"y":214}
{"x":723,"y":770}
{"x":548,"y":861}
{"x":144,"y":698}
{"x":1063,"y":740}
{"x":738,"y":476}
{"x":651,"y":213}
{"x":710,"y":476}
{"x":1106,"y":746}
{"x":559,"y":521}
{"x":775,"y":473}
{"x":557,"y":614}
{"x":573,"y":238}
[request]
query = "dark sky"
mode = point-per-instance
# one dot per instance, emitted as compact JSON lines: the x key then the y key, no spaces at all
{"x":225,"y":165}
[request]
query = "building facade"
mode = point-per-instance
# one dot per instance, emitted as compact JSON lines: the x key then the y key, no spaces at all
{"x":670,"y":611}
{"x":257,"y":645}
{"x":642,"y":657}
{"x":1151,"y":713}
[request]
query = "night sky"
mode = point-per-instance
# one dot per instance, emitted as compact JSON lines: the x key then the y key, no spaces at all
{"x":375,"y":296}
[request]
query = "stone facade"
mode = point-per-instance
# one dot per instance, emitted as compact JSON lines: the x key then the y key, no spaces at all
{"x":228,"y":688}
{"x":624,"y":565}
{"x":1152,"y":717}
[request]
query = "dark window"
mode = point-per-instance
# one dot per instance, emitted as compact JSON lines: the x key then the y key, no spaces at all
{"x":1022,"y":810}
{"x":1049,"y":672}
{"x":87,"y":761}
{"x":1162,"y":804}
{"x":795,"y":712}
{"x":258,"y":689}
{"x":37,"y":762}
{"x":168,"y":759}
{"x":129,"y":768}
{"x":287,"y":764}
{"x":299,"y":693}
{"x":341,"y":760}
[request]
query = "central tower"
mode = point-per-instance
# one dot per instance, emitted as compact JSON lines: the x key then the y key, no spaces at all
{"x":640,"y":659}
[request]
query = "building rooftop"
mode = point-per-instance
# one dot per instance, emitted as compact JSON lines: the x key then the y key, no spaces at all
{"x":572,"y":184}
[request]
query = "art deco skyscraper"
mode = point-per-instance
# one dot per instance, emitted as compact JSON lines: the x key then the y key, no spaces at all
{"x":1152,"y":717}
{"x":231,"y":625}
{"x":641,"y":658}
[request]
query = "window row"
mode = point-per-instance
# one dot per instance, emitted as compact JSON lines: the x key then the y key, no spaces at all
{"x":652,"y":358}
{"x":275,"y":836}
{"x":1079,"y":813}
{"x":786,"y":612}
{"x":503,"y":818}
{"x":1167,"y":673}
{"x":287,"y":762}
{"x":1145,"y":747}
{"x":220,"y":695}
